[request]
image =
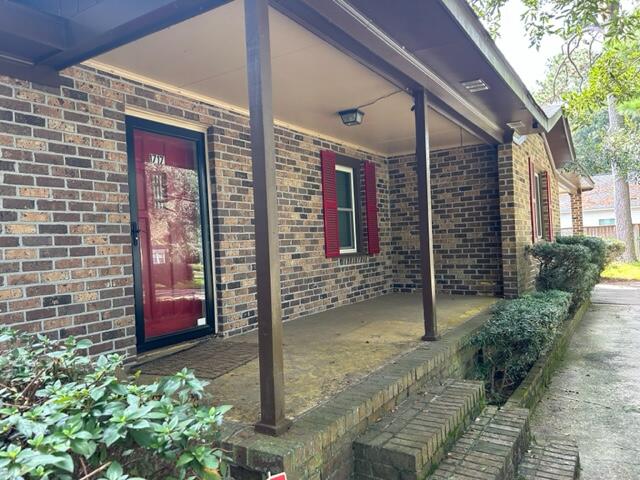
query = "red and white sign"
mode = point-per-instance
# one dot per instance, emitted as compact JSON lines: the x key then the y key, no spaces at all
{"x":277,"y":476}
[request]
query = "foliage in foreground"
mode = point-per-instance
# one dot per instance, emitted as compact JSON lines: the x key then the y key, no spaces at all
{"x":64,"y":416}
{"x":622,"y":271}
{"x":515,"y":336}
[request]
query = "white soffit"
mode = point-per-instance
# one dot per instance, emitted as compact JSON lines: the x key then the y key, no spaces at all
{"x":312,"y":80}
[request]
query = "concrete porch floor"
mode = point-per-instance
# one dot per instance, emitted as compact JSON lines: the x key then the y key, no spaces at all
{"x":326,"y":352}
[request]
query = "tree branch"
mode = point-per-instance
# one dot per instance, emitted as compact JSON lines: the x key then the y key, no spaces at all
{"x":96,"y":471}
{"x":569,"y":56}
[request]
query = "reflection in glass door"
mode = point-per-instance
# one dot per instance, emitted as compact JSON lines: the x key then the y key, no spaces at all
{"x":172,"y":270}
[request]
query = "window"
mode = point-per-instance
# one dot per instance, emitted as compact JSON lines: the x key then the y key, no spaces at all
{"x":541,"y":201}
{"x":537,"y":204}
{"x":606,"y":221}
{"x":349,"y":205}
{"x":345,"y":196}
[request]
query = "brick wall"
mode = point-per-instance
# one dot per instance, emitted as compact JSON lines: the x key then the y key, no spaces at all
{"x":519,"y":269}
{"x":310,"y":282}
{"x":466,"y":221}
{"x":66,"y":262}
{"x":65,"y":248}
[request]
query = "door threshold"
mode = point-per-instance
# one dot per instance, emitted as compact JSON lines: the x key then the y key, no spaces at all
{"x":157,"y":353}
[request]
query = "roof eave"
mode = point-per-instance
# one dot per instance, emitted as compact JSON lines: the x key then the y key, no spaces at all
{"x":567,"y":130}
{"x":469,"y":22}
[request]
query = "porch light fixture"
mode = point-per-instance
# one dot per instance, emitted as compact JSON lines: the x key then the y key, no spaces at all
{"x":474,"y":86}
{"x":351,"y":117}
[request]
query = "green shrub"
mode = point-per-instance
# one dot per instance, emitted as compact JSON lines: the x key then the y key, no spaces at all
{"x":64,"y":416}
{"x":568,"y":267}
{"x":615,"y":249}
{"x":515,"y":336}
{"x":597,"y":247}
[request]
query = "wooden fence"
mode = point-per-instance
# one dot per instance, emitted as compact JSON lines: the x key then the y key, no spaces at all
{"x":606,"y":231}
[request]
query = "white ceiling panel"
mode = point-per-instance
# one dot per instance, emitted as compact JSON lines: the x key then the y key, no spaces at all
{"x":312,"y":80}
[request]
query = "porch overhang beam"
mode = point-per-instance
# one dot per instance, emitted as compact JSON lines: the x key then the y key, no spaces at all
{"x":39,"y":41}
{"x":27,"y":71}
{"x":340,"y":24}
{"x":270,"y":347}
{"x":128,"y":21}
{"x":450,"y":114}
{"x":423,"y":171}
{"x":33,"y":25}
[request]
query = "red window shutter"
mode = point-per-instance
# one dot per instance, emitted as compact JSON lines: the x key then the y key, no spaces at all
{"x":329,"y":203}
{"x":549,"y":209}
{"x":532,"y":186}
{"x":371,"y":206}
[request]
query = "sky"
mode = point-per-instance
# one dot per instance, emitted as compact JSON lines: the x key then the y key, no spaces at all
{"x":528,"y":62}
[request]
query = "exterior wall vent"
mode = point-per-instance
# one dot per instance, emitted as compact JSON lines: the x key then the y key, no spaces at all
{"x":474,"y":86}
{"x":518,"y":125}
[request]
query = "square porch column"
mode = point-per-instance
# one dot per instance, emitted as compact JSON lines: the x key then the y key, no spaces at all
{"x":423,"y":167}
{"x":272,"y":419}
{"x":576,"y":212}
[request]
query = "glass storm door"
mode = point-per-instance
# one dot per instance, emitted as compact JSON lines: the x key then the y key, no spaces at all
{"x":170,"y":246}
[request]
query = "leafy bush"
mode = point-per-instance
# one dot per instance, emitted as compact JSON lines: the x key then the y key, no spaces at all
{"x":520,"y":330}
{"x":615,"y":249}
{"x":64,"y":416}
{"x":597,"y":248}
{"x":515,"y":336}
{"x":568,"y":267}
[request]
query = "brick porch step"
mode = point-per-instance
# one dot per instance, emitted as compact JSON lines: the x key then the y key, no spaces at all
{"x":550,"y":459}
{"x":490,"y":449}
{"x":406,"y":443}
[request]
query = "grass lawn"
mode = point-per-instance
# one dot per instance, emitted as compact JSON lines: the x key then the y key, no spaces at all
{"x":622,"y":271}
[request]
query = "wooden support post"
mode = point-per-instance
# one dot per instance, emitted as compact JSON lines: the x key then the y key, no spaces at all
{"x":272,"y":421}
{"x":425,"y":214}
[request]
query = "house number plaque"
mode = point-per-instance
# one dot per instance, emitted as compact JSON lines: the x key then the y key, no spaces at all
{"x":156,"y":159}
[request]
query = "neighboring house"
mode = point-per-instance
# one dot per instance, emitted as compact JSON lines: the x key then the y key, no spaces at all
{"x":129,"y":166}
{"x":597,"y":205}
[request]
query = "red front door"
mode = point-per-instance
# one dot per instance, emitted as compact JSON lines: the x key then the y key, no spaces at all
{"x":171,"y":265}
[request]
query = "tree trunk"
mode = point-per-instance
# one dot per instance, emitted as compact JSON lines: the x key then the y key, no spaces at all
{"x":622,"y":201}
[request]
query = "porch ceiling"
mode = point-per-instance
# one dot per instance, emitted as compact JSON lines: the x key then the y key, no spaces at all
{"x":312,"y":80}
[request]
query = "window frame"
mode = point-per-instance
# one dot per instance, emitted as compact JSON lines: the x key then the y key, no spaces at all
{"x":352,"y":166}
{"x":537,"y":203}
{"x":352,"y":211}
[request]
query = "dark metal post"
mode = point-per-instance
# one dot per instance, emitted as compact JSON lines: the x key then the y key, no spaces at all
{"x":425,"y":214}
{"x":272,"y":421}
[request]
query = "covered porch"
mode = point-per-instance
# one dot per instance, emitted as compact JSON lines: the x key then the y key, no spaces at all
{"x":263,"y":83}
{"x":324,"y":353}
{"x":294,"y":73}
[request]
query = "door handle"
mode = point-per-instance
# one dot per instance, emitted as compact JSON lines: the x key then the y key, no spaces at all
{"x":135,"y":234}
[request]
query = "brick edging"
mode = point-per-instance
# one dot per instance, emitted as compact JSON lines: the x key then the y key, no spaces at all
{"x":320,"y":440}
